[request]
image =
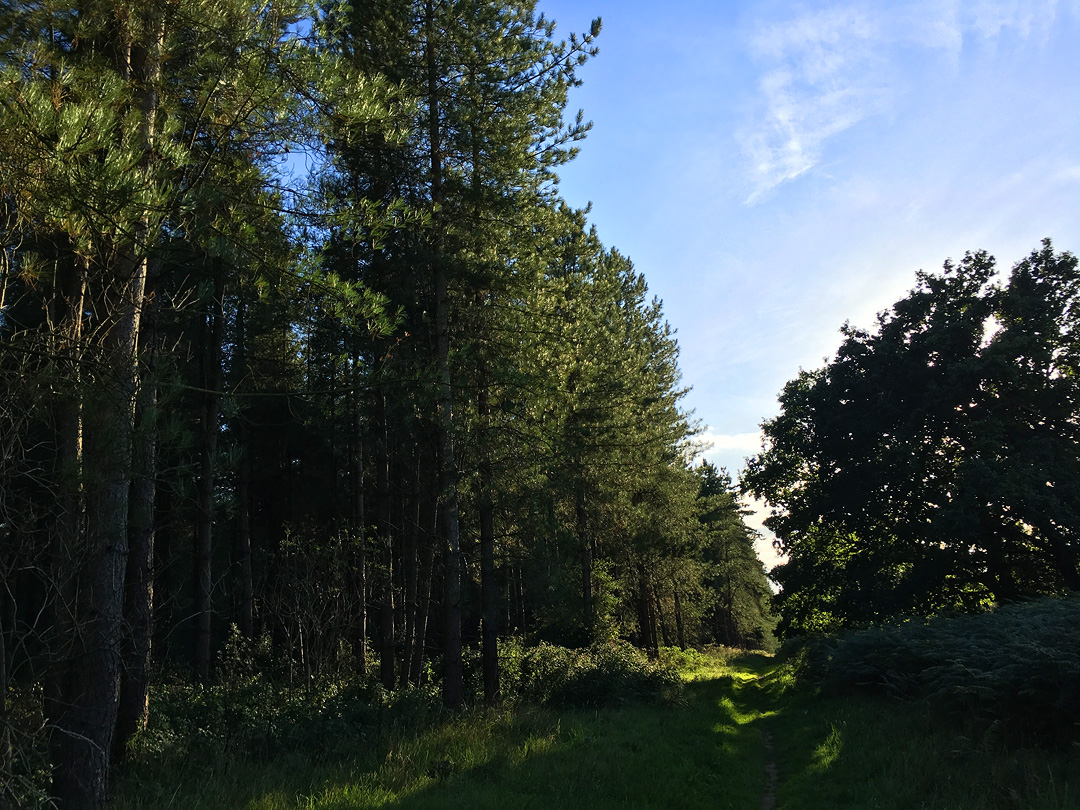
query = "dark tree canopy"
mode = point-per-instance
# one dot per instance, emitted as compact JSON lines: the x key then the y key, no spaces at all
{"x":932,"y":464}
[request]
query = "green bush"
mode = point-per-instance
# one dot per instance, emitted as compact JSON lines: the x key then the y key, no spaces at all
{"x":691,"y":660}
{"x":256,"y":718}
{"x":1015,"y":670}
{"x":611,"y":673}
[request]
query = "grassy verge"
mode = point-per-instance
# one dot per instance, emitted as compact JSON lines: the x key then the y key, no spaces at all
{"x":705,"y":749}
{"x":835,"y":753}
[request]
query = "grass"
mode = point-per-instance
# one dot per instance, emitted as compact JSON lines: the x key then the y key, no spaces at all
{"x":859,"y":751}
{"x":705,"y":749}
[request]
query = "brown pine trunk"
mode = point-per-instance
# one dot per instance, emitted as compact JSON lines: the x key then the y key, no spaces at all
{"x":654,"y":643}
{"x":519,"y":598}
{"x":134,"y":707}
{"x":244,"y":584}
{"x":489,"y":595}
{"x":661,"y":621}
{"x":679,"y":627}
{"x":85,"y":726}
{"x":244,"y":587}
{"x":65,"y":543}
{"x":356,"y":476}
{"x":410,"y":565}
{"x":210,"y":379}
{"x":488,"y":587}
{"x":423,"y":608}
{"x":582,"y":521}
{"x":90,"y":671}
{"x":89,"y":676}
{"x":646,"y":615}
{"x":453,"y":684}
{"x":386,"y":556}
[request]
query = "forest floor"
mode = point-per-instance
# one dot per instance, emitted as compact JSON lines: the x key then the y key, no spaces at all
{"x":743,"y":736}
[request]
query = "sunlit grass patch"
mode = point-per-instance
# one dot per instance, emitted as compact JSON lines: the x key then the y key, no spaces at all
{"x":828,"y":751}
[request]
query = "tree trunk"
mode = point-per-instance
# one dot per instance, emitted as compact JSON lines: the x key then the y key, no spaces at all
{"x":243,"y":583}
{"x":66,"y":541}
{"x":210,"y":379}
{"x":410,"y":603}
{"x":386,"y":556}
{"x":664,"y":634}
{"x":582,"y":522}
{"x":453,"y":685}
{"x":83,"y":730}
{"x":423,"y":608}
{"x":360,"y":561}
{"x":489,"y":596}
{"x":356,"y":476}
{"x":90,"y":673}
{"x":651,"y":603}
{"x":646,"y":614}
{"x":519,"y":597}
{"x":679,"y":627}
{"x":134,"y":706}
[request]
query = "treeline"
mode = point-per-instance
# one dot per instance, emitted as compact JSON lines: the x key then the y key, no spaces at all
{"x":351,"y":421}
{"x":934,"y":464}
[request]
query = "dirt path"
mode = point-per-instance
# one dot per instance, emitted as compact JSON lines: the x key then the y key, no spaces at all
{"x":768,"y":799}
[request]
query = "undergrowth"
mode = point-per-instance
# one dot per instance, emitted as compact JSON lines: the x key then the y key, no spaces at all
{"x":254,"y":742}
{"x":1013,"y":673}
{"x":609,"y":674}
{"x":343,"y":748}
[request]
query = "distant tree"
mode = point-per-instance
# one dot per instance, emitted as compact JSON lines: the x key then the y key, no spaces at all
{"x":932,"y":464}
{"x":737,"y":608}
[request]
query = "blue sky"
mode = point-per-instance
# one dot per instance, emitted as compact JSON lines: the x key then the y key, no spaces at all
{"x":776,"y":168}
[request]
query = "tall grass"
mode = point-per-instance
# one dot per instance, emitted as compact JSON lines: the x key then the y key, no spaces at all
{"x":709,"y":744}
{"x":254,"y":744}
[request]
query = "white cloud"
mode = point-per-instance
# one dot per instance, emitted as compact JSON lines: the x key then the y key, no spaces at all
{"x":825,"y":71}
{"x":748,"y":442}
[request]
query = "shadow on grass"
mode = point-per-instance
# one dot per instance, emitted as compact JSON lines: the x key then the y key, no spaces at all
{"x":705,"y":751}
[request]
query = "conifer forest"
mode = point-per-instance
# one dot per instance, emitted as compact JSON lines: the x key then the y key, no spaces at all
{"x":310,"y":378}
{"x":301,"y":349}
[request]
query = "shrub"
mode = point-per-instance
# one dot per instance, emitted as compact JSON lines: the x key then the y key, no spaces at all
{"x":691,"y":660}
{"x":606,"y":674}
{"x":1015,"y":669}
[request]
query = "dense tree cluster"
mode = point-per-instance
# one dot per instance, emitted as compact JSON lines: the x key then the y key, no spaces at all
{"x":934,"y":464}
{"x":408,"y":404}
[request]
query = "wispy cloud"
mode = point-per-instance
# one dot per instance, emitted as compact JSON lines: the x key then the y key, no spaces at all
{"x":825,"y":71}
{"x":1069,"y":174}
{"x":822,"y":80}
